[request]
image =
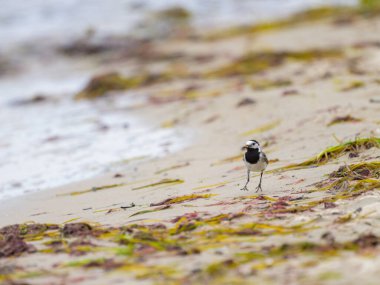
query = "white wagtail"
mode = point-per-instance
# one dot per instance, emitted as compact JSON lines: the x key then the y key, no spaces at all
{"x":255,"y":160}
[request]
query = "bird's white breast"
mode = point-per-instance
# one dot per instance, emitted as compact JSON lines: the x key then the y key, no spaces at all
{"x":257,"y":167}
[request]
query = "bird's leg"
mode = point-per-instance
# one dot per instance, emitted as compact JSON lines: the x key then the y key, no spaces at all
{"x":245,"y":186}
{"x":259,"y":186}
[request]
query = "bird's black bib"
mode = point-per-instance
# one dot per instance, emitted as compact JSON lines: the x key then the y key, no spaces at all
{"x":252,"y":156}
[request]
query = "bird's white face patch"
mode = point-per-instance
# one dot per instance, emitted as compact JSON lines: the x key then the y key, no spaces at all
{"x":252,"y":144}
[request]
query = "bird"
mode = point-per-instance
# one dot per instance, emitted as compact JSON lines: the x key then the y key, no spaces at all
{"x":255,"y":161}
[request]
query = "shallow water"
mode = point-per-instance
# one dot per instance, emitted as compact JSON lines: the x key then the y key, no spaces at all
{"x":53,"y":20}
{"x":54,"y":143}
{"x":61,"y":141}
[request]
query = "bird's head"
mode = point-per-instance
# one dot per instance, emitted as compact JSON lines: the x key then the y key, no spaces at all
{"x":252,"y":145}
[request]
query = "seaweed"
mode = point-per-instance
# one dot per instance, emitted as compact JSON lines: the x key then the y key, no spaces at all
{"x":13,"y":245}
{"x":358,"y":171}
{"x":369,"y":6}
{"x":347,"y":182}
{"x":246,"y":102}
{"x":353,"y":85}
{"x":27,"y":230}
{"x":269,"y":84}
{"x":182,"y":199}
{"x":268,"y":256}
{"x":76,"y":229}
{"x":172,"y":167}
{"x":164,"y":207}
{"x":343,"y":119}
{"x":258,"y":62}
{"x":175,"y":13}
{"x":94,"y":189}
{"x":307,"y":16}
{"x":162,"y":182}
{"x":101,"y":85}
{"x":334,"y":152}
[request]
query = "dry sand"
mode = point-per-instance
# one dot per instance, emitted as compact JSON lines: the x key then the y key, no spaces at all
{"x":291,"y":124}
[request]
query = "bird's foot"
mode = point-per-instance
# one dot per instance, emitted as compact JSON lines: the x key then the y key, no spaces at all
{"x":244,"y":188}
{"x":259,"y":189}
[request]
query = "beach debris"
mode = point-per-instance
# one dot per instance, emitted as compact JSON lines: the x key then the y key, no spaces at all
{"x":13,"y":245}
{"x":367,"y":241}
{"x":168,"y":182}
{"x":353,"y":85}
{"x":334,"y":152}
{"x":110,"y":47}
{"x":170,"y":123}
{"x":258,"y":62}
{"x":100,"y":85}
{"x":374,"y":100}
{"x":76,"y":229}
{"x":182,"y":199}
{"x":347,"y":182}
{"x":13,"y":237}
{"x":211,"y":119}
{"x":163,"y":207}
{"x":299,"y":18}
{"x":290,"y":92}
{"x":358,"y":171}
{"x":245,"y":102}
{"x":329,"y":205}
{"x":264,"y":84}
{"x":343,"y":119}
{"x":175,"y":13}
{"x":170,"y":22}
{"x":212,"y":186}
{"x":177,"y":166}
{"x":127,"y":207}
{"x":343,"y":219}
{"x":36,"y":99}
{"x":94,"y":189}
{"x":24,"y":230}
{"x":106,"y":264}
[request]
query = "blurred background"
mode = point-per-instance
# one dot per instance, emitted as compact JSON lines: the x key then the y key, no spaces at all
{"x":50,"y":50}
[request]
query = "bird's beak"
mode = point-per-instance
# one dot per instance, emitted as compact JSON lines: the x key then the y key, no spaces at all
{"x":244,"y":147}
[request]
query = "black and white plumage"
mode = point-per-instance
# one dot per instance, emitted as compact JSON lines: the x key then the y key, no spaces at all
{"x":255,"y":161}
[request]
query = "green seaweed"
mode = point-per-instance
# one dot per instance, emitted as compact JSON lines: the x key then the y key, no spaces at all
{"x":182,"y":199}
{"x":102,"y":85}
{"x":307,"y":16}
{"x":348,"y":182}
{"x":94,"y":189}
{"x":353,"y":85}
{"x":175,"y":13}
{"x":151,"y":210}
{"x":162,"y":182}
{"x":334,"y":152}
{"x":269,"y":84}
{"x":172,"y":167}
{"x":258,"y":62}
{"x":343,"y":119}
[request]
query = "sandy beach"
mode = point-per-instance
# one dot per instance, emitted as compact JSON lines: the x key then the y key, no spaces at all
{"x":299,"y":87}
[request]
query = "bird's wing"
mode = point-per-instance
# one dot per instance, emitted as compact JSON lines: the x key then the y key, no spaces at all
{"x":264,"y":157}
